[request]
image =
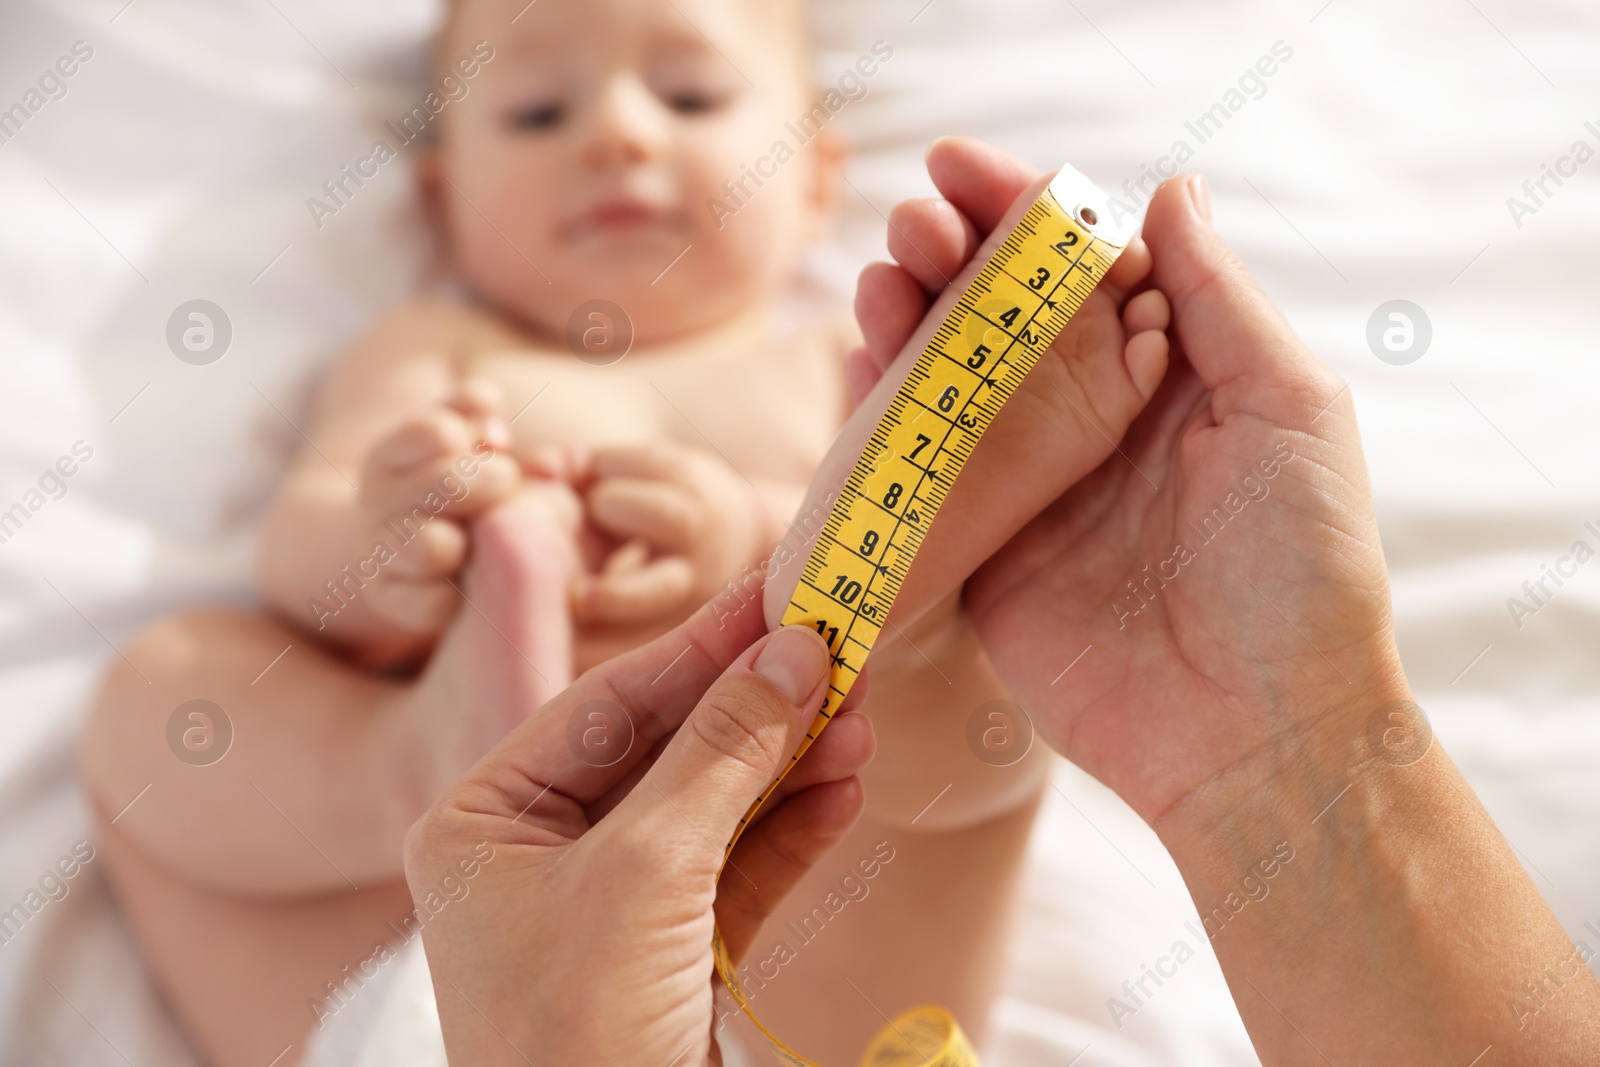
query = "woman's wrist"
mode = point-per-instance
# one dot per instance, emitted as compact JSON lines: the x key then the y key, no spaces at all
{"x":1317,"y":788}
{"x":1314,"y":743}
{"x":1364,"y":905}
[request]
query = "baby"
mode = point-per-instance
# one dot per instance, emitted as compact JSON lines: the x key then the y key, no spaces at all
{"x":615,"y":417}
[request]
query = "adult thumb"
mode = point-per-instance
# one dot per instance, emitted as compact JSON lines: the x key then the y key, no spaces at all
{"x":741,"y":736}
{"x":1231,"y":332}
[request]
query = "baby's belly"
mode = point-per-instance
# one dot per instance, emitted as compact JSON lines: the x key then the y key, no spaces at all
{"x":563,"y":406}
{"x":766,"y":421}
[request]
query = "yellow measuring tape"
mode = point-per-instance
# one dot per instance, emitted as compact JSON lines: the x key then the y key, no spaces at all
{"x":1005,"y":320}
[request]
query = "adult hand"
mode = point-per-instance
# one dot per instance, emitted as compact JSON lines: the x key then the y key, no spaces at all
{"x":1181,"y":630}
{"x":1204,"y":624}
{"x":1221,"y":576}
{"x":585,"y":936}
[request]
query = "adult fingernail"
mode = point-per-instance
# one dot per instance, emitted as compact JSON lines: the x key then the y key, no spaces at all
{"x":1200,"y":193}
{"x":794,"y":661}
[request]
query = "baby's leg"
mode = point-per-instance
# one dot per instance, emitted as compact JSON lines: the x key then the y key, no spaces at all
{"x":328,"y":766}
{"x":248,"y":980}
{"x":242,"y":919}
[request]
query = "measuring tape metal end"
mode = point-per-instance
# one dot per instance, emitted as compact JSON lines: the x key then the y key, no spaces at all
{"x":1075,"y":194}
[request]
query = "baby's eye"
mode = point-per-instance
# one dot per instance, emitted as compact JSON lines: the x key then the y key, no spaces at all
{"x":539,"y":117}
{"x":696,"y":102}
{"x":695,"y":95}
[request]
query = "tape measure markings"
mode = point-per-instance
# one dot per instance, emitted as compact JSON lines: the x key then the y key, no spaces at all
{"x":971,"y":434}
{"x":964,"y":393}
{"x":961,"y":453}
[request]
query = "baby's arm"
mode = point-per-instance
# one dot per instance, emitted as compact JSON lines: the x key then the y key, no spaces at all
{"x":360,"y":543}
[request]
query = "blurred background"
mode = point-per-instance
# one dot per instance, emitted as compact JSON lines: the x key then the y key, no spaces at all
{"x":1395,"y":153}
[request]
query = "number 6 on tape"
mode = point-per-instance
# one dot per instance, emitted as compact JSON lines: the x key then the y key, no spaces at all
{"x":1005,"y":320}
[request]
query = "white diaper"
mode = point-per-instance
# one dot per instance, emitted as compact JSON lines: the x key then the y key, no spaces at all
{"x":393,"y":1021}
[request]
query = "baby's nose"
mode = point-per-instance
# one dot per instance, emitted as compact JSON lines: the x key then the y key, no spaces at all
{"x":628,"y":125}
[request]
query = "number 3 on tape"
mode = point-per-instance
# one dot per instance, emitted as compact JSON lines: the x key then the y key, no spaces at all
{"x":1005,"y":320}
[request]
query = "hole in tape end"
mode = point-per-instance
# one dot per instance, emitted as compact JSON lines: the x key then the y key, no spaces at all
{"x":1088,"y":216}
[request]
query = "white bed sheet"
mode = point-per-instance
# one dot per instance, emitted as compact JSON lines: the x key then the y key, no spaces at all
{"x":1376,"y":166}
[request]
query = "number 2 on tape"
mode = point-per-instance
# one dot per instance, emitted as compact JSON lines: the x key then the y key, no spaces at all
{"x":1005,"y":320}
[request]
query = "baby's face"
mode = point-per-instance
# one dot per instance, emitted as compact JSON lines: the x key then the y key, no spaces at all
{"x":585,"y":158}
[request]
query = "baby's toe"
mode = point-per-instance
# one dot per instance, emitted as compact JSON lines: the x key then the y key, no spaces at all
{"x":1150,"y":310}
{"x":1132,"y":267}
{"x":1146,"y":359}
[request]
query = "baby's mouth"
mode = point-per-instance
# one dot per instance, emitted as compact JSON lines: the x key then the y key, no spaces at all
{"x":620,"y":217}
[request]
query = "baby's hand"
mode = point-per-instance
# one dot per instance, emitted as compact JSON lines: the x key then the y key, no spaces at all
{"x":418,"y":485}
{"x":686,"y":523}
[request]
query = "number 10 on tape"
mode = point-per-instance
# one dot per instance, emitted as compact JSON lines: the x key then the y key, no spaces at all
{"x":1003,"y":323}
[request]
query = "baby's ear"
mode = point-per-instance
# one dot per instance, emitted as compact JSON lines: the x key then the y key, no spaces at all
{"x":827,"y":153}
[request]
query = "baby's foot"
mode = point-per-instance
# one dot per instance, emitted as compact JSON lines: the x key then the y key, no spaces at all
{"x":1066,"y":418}
{"x":510,"y":647}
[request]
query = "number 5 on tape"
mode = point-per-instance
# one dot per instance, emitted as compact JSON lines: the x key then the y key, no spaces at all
{"x":1005,"y":320}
